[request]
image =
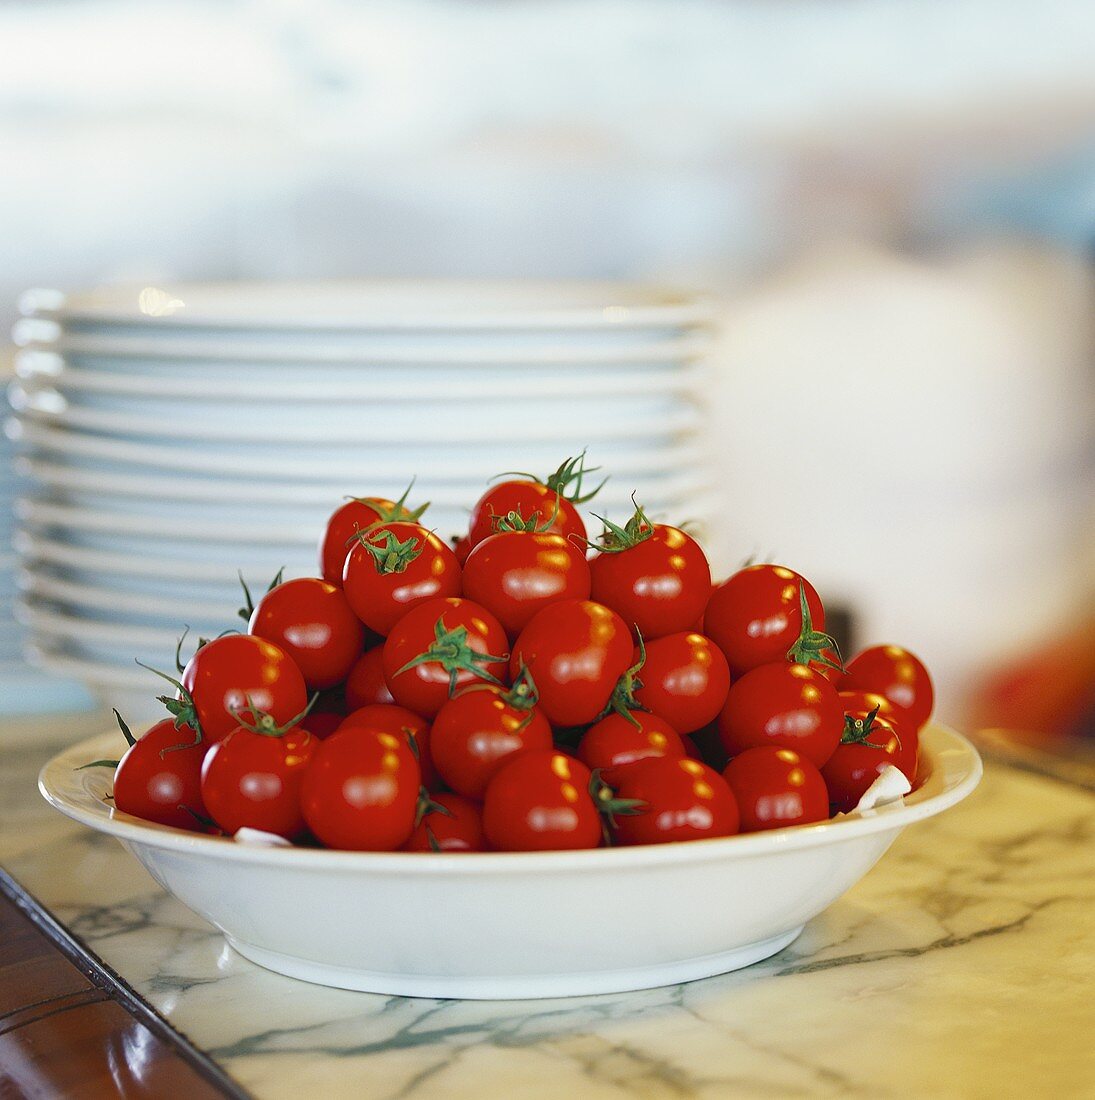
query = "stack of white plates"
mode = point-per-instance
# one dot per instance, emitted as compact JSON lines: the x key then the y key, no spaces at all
{"x":171,"y":437}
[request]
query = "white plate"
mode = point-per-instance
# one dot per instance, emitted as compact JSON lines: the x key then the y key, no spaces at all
{"x":626,"y":459}
{"x":513,"y":925}
{"x":125,"y":638}
{"x":378,"y":305}
{"x":563,"y":422}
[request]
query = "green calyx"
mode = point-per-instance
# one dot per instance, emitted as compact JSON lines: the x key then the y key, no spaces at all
{"x":266,"y":725}
{"x":566,"y":480}
{"x":609,"y":806}
{"x":388,"y":553}
{"x":130,"y":741}
{"x":426,"y":806}
{"x":523,"y":693}
{"x":615,"y":538}
{"x":622,"y":701}
{"x":248,"y":608}
{"x":451,"y":651}
{"x":397,"y":512}
{"x":813,"y":646}
{"x":181,"y":709}
{"x":858,"y":730}
{"x":514,"y":521}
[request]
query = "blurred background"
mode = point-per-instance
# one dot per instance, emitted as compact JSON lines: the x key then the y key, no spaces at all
{"x":892,"y":204}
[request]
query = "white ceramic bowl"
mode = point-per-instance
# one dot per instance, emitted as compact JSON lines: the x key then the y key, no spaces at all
{"x":522,"y":925}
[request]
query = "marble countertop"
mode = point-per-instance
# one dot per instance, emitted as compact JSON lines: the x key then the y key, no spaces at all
{"x":963,"y":966}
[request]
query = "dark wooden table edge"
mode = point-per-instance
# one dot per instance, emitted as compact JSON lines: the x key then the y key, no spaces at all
{"x":107,"y":979}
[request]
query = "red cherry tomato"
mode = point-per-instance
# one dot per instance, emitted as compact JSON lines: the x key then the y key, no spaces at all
{"x":540,"y":801}
{"x":530,"y":500}
{"x":684,"y":680}
{"x":789,"y":706}
{"x":857,"y":763}
{"x":514,"y":574}
{"x":675,"y":799}
{"x":360,"y":790}
{"x":365,"y":684}
{"x":755,"y":617}
{"x":897,"y":674}
{"x":415,"y":730}
{"x":394,"y":567}
{"x":351,"y":518}
{"x":481,"y":728}
{"x":450,"y":824}
{"x":253,"y":780}
{"x":439,"y":647}
{"x":324,"y":717}
{"x":158,"y":781}
{"x":656,"y":578}
{"x":311,"y":621}
{"x":237,"y":672}
{"x":775,"y":788}
{"x":615,"y":743}
{"x":576,"y":651}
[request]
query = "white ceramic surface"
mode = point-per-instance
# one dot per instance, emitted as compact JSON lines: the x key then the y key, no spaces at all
{"x":380,"y":305}
{"x":514,"y":925}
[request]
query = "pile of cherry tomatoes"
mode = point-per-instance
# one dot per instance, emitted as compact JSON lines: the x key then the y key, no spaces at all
{"x":522,"y":689}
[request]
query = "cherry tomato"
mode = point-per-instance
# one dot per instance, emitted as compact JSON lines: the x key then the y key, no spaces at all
{"x":450,"y":823}
{"x":775,"y":788}
{"x":862,"y":756}
{"x":684,"y":680}
{"x":253,"y":780}
{"x":325,"y":716}
{"x":656,"y":578}
{"x":439,"y":647}
{"x":576,"y":651}
{"x":786,"y":705}
{"x":366,"y":684}
{"x":361,"y":789}
{"x":551,"y":502}
{"x":481,"y":728}
{"x":755,"y":617}
{"x":415,"y":730}
{"x":514,"y":574}
{"x":394,"y":567}
{"x":674,"y":799}
{"x":312,"y":622}
{"x":540,"y":801}
{"x":156,"y":780}
{"x":238,"y":672}
{"x":897,"y":674}
{"x":351,"y":518}
{"x":615,"y":743}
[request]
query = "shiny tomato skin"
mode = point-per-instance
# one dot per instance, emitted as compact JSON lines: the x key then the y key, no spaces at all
{"x":253,"y":781}
{"x":516,"y":573}
{"x":854,"y":767}
{"x":390,"y":718}
{"x":427,"y":686}
{"x":345,"y":522}
{"x":897,"y":674}
{"x":241,"y":670}
{"x":659,"y":586}
{"x":313,"y":623}
{"x":755,"y":616}
{"x":477,"y":731}
{"x":360,"y":791}
{"x":459,"y":830}
{"x":159,"y":785}
{"x":685,"y":680}
{"x":775,"y":788}
{"x":324,"y":718}
{"x":527,"y":498}
{"x":540,"y":801}
{"x":615,"y":743}
{"x":365,"y":683}
{"x":786,"y":705}
{"x":380,"y":598}
{"x":575,"y":650}
{"x":681,"y":799}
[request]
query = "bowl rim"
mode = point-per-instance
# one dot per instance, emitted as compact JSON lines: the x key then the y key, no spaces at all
{"x":953,"y":770}
{"x":378,"y":305}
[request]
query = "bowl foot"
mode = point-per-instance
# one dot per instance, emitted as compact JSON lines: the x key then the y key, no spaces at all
{"x":508,"y":987}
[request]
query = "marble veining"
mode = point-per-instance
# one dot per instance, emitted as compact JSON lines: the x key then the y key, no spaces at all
{"x":961,"y":966}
